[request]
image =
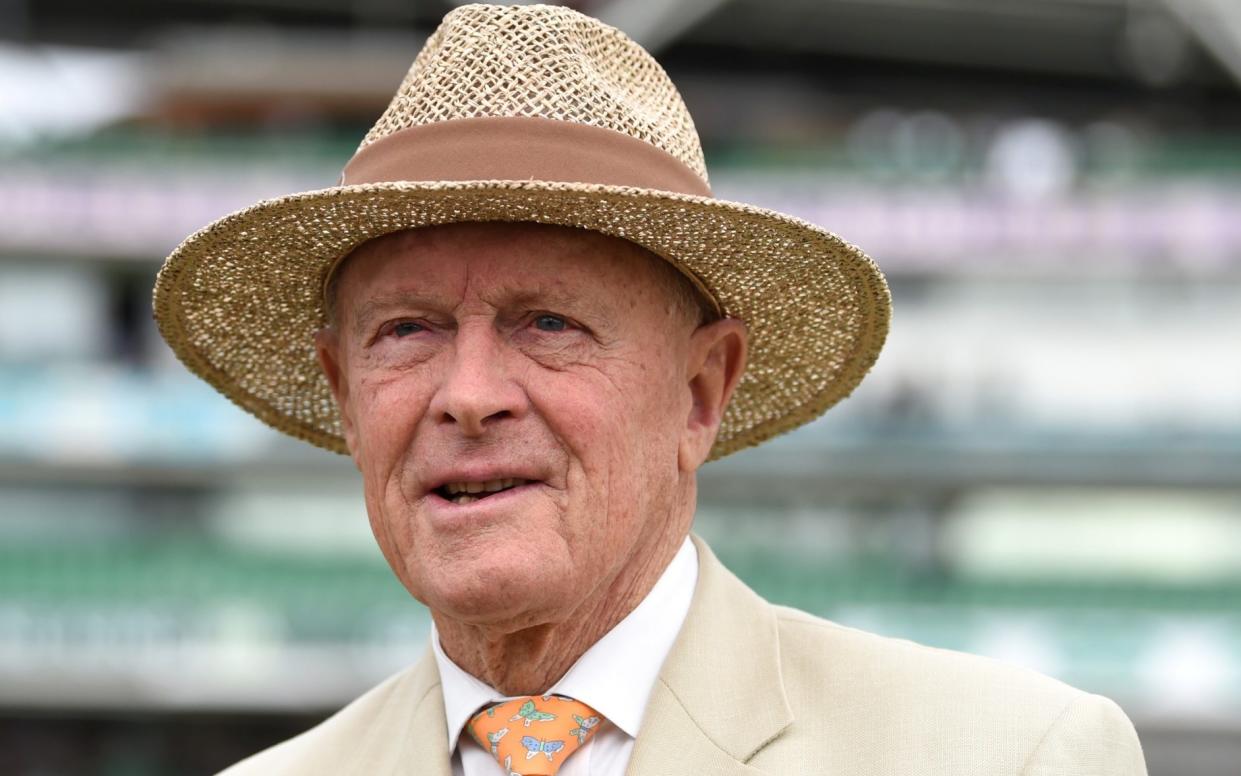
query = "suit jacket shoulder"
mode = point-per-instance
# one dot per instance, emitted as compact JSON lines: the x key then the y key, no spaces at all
{"x":895,"y":703}
{"x":752,"y":688}
{"x":390,"y":729}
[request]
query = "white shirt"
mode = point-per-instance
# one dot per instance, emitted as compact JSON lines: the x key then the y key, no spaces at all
{"x":614,"y":677}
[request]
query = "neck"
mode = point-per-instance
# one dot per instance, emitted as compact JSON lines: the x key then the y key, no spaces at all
{"x":529,"y":661}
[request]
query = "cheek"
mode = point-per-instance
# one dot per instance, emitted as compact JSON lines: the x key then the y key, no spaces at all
{"x":387,"y":408}
{"x":660,"y":410}
{"x":387,"y":411}
{"x":657,"y":402}
{"x":621,"y":431}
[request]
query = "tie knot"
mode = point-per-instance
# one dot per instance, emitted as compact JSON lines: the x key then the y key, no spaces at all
{"x":532,"y":736}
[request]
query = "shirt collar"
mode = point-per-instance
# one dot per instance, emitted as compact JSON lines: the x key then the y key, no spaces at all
{"x":615,"y":676}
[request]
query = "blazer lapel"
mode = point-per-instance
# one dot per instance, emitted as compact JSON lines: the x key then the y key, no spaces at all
{"x":719,"y":698}
{"x":431,"y":758}
{"x":407,"y":734}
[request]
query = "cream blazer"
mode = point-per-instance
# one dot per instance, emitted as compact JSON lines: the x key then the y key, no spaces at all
{"x":751,"y":688}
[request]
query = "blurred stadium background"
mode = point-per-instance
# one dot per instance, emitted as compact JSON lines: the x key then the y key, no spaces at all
{"x":1044,"y":466}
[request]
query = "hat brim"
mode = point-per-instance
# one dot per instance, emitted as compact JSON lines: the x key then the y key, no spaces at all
{"x":240,"y":300}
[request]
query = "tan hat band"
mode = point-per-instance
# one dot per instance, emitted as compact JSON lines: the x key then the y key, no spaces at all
{"x":520,"y":148}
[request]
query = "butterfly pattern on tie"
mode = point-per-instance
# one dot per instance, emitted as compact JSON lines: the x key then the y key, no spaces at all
{"x":554,"y":727}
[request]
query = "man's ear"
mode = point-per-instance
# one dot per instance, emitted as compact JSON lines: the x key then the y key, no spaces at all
{"x":717,"y":354}
{"x":327,"y":348}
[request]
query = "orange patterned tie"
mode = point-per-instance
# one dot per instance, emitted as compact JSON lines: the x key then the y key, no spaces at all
{"x":532,"y":736}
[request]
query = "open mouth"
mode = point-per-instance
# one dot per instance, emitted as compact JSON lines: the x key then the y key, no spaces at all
{"x":469,"y":492}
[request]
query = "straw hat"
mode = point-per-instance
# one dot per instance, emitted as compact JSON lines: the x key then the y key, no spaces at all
{"x":525,"y":113}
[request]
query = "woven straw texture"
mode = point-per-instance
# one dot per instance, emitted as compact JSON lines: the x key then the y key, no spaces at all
{"x":240,"y":300}
{"x":545,"y":62}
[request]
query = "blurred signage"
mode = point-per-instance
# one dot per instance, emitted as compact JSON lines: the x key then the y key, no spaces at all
{"x":117,"y":210}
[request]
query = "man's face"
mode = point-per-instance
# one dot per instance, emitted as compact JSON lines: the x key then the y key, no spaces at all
{"x":521,"y":402}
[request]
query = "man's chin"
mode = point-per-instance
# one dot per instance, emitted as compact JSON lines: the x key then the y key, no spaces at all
{"x":510,"y":595}
{"x":498,"y":617}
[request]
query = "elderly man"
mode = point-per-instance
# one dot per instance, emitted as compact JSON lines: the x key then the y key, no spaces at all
{"x":526,"y":319}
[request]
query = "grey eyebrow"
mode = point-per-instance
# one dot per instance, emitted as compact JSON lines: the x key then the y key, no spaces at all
{"x":375,"y":306}
{"x":543,"y":296}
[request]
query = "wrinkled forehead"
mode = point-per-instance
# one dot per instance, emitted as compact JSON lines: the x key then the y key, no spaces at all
{"x":517,"y":252}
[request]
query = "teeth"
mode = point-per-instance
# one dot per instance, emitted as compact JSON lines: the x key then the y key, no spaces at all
{"x":467,"y":489}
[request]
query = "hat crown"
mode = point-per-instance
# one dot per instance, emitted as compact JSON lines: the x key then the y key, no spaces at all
{"x":541,"y":61}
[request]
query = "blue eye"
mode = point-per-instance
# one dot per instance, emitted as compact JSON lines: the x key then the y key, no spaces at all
{"x":550,"y":323}
{"x":405,"y":328}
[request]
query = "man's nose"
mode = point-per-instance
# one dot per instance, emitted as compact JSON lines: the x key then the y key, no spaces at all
{"x":479,"y":388}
